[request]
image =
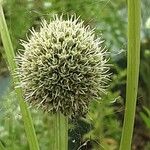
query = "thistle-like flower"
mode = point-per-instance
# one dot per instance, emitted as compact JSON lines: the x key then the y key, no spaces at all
{"x":63,"y":67}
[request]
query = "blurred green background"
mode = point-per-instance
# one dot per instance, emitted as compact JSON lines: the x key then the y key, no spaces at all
{"x":101,"y":128}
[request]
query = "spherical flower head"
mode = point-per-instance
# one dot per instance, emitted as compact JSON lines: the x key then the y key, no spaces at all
{"x":63,"y":67}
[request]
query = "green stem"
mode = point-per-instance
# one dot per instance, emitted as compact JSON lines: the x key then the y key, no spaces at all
{"x":133,"y":61}
{"x":60,"y":132}
{"x":29,"y":128}
{"x":1,"y":146}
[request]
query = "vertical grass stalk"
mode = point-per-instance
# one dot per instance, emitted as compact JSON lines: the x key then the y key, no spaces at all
{"x":28,"y":124}
{"x":1,"y":146}
{"x":133,"y":61}
{"x":60,"y":132}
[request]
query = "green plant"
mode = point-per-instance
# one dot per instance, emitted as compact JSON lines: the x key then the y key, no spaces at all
{"x":104,"y":124}
{"x":144,"y":76}
{"x":12,"y":65}
{"x":133,"y":61}
{"x":145,"y":115}
{"x":94,"y":72}
{"x":12,"y":128}
{"x":62,"y":68}
{"x":1,"y":146}
{"x":147,"y":147}
{"x":11,"y":124}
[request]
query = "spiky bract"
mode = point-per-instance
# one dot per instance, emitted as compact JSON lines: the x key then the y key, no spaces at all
{"x":63,"y":67}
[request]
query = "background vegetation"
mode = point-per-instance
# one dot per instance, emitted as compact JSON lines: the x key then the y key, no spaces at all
{"x":102,"y":125}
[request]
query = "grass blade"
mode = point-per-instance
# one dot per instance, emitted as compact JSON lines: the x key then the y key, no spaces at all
{"x":1,"y":146}
{"x":133,"y":61}
{"x":28,"y":124}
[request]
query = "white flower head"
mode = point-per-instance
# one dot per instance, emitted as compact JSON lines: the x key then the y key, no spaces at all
{"x":63,"y":66}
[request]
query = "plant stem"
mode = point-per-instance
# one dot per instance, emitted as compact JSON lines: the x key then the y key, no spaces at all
{"x":60,"y":132}
{"x":133,"y":61}
{"x":1,"y":146}
{"x":28,"y":124}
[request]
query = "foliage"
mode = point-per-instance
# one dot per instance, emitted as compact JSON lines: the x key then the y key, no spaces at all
{"x":146,"y":116}
{"x":145,"y":76}
{"x":105,"y":124}
{"x":10,"y":56}
{"x":12,"y":129}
